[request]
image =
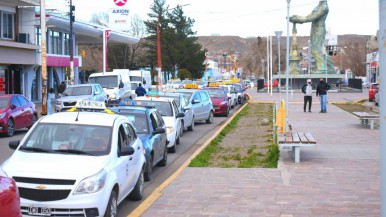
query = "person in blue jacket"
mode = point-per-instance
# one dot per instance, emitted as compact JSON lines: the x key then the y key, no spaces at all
{"x":140,"y":91}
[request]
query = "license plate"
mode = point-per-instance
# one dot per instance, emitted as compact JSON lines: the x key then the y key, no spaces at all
{"x":43,"y":211}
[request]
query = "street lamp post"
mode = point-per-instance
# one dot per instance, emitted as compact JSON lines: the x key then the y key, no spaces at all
{"x":278,"y":35}
{"x":287,"y":66}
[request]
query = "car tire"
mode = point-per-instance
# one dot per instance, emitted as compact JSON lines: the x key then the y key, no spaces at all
{"x":164,"y":160}
{"x":34,"y":119}
{"x":210,"y":118}
{"x":112,"y":205}
{"x":137,"y":193}
{"x":182,"y":128}
{"x":227,"y":113}
{"x":191,"y":127}
{"x":149,"y":169}
{"x":172,"y":149}
{"x":178,"y":139}
{"x":10,"y":128}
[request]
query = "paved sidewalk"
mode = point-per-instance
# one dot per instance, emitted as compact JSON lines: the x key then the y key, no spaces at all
{"x":340,"y":176}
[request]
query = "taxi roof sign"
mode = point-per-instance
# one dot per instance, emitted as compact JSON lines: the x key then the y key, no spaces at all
{"x":90,"y":105}
{"x":191,"y":86}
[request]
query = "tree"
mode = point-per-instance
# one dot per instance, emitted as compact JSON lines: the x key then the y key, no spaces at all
{"x":184,"y":73}
{"x":179,"y":47}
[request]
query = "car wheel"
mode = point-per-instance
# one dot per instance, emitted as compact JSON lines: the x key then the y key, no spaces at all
{"x":137,"y":193}
{"x":111,"y":209}
{"x":149,"y":169}
{"x":10,"y":128}
{"x":182,"y":128}
{"x":227,"y":113}
{"x":178,"y":139}
{"x":172,"y":149}
{"x":210,"y":118}
{"x":34,"y":119}
{"x":191,"y":127}
{"x":164,"y":160}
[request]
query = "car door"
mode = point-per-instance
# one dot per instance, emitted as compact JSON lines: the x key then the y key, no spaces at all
{"x":175,"y":113}
{"x":197,"y":107}
{"x":188,"y":112}
{"x":18,"y":113}
{"x":125,"y":168}
{"x":206,"y":102}
{"x":158,"y":148}
{"x":27,"y":111}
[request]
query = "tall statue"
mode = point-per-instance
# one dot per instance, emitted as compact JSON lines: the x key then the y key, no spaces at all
{"x":318,"y":32}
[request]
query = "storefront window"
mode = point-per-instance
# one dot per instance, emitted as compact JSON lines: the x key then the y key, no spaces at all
{"x":66,"y":44}
{"x":56,"y":42}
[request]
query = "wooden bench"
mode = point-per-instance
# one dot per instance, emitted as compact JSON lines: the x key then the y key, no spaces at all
{"x":295,"y":140}
{"x":365,"y":117}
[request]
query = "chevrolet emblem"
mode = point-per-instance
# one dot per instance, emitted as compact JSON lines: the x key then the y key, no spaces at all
{"x":41,"y":187}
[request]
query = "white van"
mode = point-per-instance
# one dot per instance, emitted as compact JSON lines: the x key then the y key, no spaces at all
{"x":136,"y":77}
{"x":115,"y":84}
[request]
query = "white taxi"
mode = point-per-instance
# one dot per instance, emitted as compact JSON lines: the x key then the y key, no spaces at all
{"x":170,"y":114}
{"x":77,"y":164}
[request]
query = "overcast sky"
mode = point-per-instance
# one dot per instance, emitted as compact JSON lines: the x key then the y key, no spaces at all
{"x":250,"y":18}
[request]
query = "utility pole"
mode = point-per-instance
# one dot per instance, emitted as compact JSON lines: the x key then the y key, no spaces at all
{"x":159,"y":64}
{"x":44,"y":55}
{"x":72,"y":20}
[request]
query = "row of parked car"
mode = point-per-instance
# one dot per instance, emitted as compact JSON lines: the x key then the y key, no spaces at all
{"x":101,"y":155}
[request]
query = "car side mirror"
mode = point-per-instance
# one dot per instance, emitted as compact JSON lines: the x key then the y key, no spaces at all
{"x":14,"y":144}
{"x":159,"y":130}
{"x":180,"y":115}
{"x":126,"y":151}
{"x":195,"y":101}
{"x":13,"y":106}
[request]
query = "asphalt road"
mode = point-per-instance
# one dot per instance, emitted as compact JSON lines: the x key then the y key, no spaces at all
{"x":190,"y":141}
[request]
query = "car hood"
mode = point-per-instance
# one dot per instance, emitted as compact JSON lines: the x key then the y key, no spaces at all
{"x":217,"y":100}
{"x":3,"y":110}
{"x":45,"y":165}
{"x":74,"y":98}
{"x":169,"y":121}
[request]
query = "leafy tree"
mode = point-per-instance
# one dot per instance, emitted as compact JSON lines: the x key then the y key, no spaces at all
{"x":184,"y":73}
{"x":179,"y":47}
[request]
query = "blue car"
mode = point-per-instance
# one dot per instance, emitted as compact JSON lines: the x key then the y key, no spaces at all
{"x":151,"y":129}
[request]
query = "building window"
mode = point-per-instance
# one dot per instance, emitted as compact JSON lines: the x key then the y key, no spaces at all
{"x":56,"y":42}
{"x":66,"y":44}
{"x":6,"y":24}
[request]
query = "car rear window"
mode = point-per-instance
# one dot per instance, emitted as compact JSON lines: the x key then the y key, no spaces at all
{"x":375,"y":86}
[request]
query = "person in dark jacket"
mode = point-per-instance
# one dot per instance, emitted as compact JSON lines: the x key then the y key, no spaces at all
{"x":61,"y":87}
{"x":140,"y":91}
{"x":321,"y":91}
{"x":307,"y":90}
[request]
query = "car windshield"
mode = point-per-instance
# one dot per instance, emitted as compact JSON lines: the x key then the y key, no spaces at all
{"x":164,"y":108}
{"x":216,"y":93}
{"x":110,"y":81}
{"x":176,"y":99}
{"x":4,"y":102}
{"x":78,"y":91}
{"x":187,"y":81}
{"x":69,"y":139}
{"x":187,"y":94}
{"x":238,"y":88}
{"x":139,"y":121}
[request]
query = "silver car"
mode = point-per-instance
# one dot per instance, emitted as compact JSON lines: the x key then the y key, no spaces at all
{"x":74,"y":93}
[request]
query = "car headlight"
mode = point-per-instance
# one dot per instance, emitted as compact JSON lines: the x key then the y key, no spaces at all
{"x":92,"y":184}
{"x":223,"y":103}
{"x":2,"y":115}
{"x":169,"y":130}
{"x":57,"y":102}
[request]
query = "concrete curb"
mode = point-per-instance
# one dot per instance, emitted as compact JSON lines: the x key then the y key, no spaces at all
{"x":158,"y":191}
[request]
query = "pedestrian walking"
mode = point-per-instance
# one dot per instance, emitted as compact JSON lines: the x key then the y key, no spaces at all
{"x":321,"y":91}
{"x":140,"y":91}
{"x":307,"y":90}
{"x":51,"y":97}
{"x":61,"y":87}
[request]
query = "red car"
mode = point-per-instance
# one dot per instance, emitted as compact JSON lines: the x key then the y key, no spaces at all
{"x":219,"y":100}
{"x":16,"y":112}
{"x":275,"y":83}
{"x":9,"y":198}
{"x":372,"y":91}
